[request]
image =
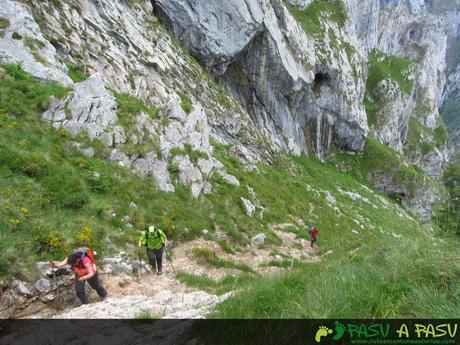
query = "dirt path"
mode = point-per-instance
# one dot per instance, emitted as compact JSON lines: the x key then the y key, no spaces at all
{"x":164,"y":296}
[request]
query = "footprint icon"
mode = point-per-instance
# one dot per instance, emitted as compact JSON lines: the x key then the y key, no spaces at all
{"x":322,"y":332}
{"x":339,"y":330}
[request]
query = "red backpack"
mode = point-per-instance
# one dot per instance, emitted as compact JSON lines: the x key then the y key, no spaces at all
{"x":78,"y":268}
{"x":313,"y":232}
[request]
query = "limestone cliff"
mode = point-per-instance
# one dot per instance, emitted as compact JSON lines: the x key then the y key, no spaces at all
{"x":304,"y":91}
{"x":303,"y":76}
{"x":304,"y":70}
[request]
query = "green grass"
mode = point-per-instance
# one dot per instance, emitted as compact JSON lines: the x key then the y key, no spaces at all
{"x":287,"y":263}
{"x":448,"y":215}
{"x":76,"y":73}
{"x":128,"y":109}
{"x":20,"y":95}
{"x":418,"y":138}
{"x":449,"y":111}
{"x":4,"y":23}
{"x":382,"y":66}
{"x":369,"y":274}
{"x":208,"y":256}
{"x":218,"y":287}
{"x":310,"y":18}
{"x":33,"y":43}
{"x":226,"y":247}
{"x":383,"y":280}
{"x":186,"y":104}
{"x":146,"y":315}
{"x":440,"y":134}
{"x":194,"y":155}
{"x":379,"y":159}
{"x":50,"y":191}
{"x":129,"y":106}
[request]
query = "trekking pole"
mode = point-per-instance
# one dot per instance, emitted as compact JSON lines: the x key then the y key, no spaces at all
{"x":58,"y":295}
{"x":140,"y":264}
{"x":170,"y":261}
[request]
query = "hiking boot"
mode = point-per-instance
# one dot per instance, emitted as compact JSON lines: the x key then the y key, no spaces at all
{"x":101,"y":298}
{"x":159,"y":273}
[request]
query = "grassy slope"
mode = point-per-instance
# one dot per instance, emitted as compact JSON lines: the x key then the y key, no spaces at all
{"x":382,"y":66}
{"x":53,"y":197}
{"x":371,"y":274}
{"x":310,"y":18}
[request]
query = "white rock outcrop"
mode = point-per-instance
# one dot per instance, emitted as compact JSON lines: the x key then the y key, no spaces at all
{"x":22,"y":42}
{"x":165,"y":304}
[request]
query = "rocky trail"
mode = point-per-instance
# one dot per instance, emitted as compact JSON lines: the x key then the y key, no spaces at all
{"x":134,"y":294}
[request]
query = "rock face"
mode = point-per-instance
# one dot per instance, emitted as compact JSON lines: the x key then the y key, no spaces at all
{"x":451,"y":98}
{"x":23,"y":297}
{"x":414,"y":31}
{"x":300,"y":93}
{"x":109,"y":43}
{"x":32,"y":50}
{"x":305,"y":89}
{"x":135,"y":56}
{"x":418,"y":198}
{"x":91,"y":108}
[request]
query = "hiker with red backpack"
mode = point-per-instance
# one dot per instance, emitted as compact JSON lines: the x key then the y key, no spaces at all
{"x":314,"y":235}
{"x":83,"y":264}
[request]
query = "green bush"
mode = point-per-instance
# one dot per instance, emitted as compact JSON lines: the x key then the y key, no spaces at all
{"x":16,"y":36}
{"x":65,"y":188}
{"x":51,"y":243}
{"x":173,"y":169}
{"x":98,"y":180}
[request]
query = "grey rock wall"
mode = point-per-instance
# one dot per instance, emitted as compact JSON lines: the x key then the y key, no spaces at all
{"x":33,"y":51}
{"x":278,"y":73}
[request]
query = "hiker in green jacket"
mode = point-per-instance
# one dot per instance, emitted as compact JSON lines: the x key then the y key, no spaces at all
{"x":154,"y":240}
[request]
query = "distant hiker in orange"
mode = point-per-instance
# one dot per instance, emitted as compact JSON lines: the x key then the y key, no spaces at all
{"x":314,"y":235}
{"x":83,"y":264}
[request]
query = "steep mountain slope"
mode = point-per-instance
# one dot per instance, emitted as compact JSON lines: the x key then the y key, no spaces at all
{"x":451,"y":105}
{"x":306,"y":71}
{"x":108,"y":124}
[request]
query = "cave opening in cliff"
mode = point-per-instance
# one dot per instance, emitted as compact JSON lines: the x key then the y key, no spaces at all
{"x":320,"y":80}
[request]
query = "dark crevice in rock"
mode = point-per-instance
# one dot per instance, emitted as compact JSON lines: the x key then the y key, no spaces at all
{"x":320,"y":80}
{"x":162,"y":16}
